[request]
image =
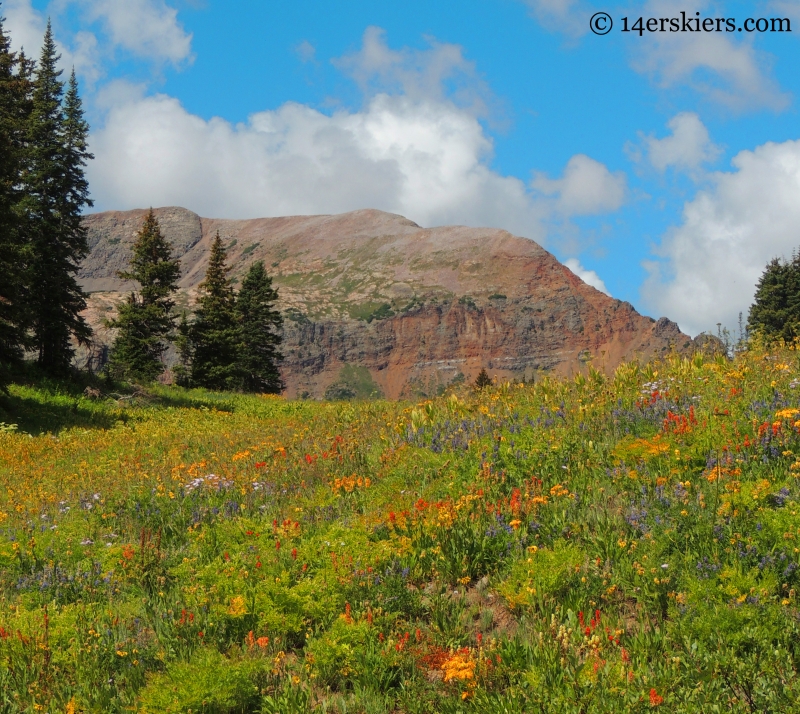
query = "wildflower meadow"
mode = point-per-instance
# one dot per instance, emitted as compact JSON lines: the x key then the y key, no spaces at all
{"x":622,"y":543}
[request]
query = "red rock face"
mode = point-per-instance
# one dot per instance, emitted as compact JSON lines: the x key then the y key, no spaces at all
{"x":417,"y":308}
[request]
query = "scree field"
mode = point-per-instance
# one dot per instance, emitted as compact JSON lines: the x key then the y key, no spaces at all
{"x":596,"y":544}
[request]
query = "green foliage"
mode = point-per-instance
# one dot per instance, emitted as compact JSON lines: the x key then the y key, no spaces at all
{"x":775,"y":313}
{"x":371,"y":311}
{"x":545,"y":576}
{"x":145,"y":322}
{"x":14,"y":105}
{"x":55,"y":194}
{"x":483,"y":379}
{"x":214,"y":334}
{"x":622,"y":543}
{"x":208,"y":684}
{"x":260,"y":325}
{"x":353,"y":382}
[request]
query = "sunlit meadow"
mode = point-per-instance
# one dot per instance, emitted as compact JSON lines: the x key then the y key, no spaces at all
{"x":596,"y":544}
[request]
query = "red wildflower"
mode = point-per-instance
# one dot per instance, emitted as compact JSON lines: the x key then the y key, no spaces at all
{"x":294,"y":553}
{"x":655,"y":698}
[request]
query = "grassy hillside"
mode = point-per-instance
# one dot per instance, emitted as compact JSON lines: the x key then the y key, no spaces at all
{"x":593,"y":545}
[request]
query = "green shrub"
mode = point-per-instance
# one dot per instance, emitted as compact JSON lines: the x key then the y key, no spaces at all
{"x":208,"y":684}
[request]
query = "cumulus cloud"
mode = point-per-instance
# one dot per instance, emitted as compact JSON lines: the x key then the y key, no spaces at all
{"x":711,"y":262}
{"x":423,"y":160}
{"x":148,"y":29}
{"x":414,"y":151}
{"x":688,"y":148}
{"x":590,"y":277}
{"x":729,"y":72}
{"x":586,"y":187}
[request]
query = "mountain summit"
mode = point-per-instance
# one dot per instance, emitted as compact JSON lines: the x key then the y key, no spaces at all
{"x":375,"y":304}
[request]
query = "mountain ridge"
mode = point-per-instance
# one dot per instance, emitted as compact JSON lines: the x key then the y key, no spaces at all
{"x":412,"y":308}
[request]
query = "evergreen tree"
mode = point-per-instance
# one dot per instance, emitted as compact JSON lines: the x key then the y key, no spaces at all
{"x":775,"y":314}
{"x":259,"y":324}
{"x":483,"y":379}
{"x":145,"y":321}
{"x":183,"y":344}
{"x":14,"y":105}
{"x":214,"y":335}
{"x":55,"y":194}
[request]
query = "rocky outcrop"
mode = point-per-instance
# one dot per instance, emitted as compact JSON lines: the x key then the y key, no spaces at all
{"x":419,"y":308}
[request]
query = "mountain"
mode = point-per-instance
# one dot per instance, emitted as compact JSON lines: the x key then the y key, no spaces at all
{"x":375,"y":304}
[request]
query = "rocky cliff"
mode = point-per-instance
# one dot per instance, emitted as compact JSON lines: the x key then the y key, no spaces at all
{"x":376,"y":304}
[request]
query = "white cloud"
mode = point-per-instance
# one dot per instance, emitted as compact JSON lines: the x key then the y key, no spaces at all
{"x":729,"y":233}
{"x":421,"y":159}
{"x":415,"y":152}
{"x":306,"y":51}
{"x":587,"y":187}
{"x":590,"y":277}
{"x":686,"y":149}
{"x":568,"y":16}
{"x":439,"y":73}
{"x":27,"y":27}
{"x":786,"y":8}
{"x":731,"y":73}
{"x":146,"y":28}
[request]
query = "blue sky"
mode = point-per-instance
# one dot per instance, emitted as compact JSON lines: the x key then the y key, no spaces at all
{"x":664,"y":169}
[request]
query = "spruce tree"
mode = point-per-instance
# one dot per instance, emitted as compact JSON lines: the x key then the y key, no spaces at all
{"x":775,"y":314}
{"x":483,"y":379}
{"x":259,"y":324}
{"x":183,"y":344}
{"x":214,"y":335}
{"x":55,"y":195}
{"x":14,"y":106}
{"x":145,"y":320}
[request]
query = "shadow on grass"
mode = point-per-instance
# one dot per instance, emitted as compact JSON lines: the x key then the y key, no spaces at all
{"x":38,"y":403}
{"x":34,"y":415}
{"x":186,"y":399}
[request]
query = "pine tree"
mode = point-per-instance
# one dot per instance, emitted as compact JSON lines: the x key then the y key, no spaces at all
{"x":483,"y":379}
{"x":55,"y":194}
{"x":260,"y":324}
{"x":145,"y":321}
{"x":14,"y":106}
{"x":775,"y":314}
{"x":214,"y":335}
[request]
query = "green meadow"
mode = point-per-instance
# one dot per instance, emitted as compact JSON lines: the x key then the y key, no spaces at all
{"x":620,"y":543}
